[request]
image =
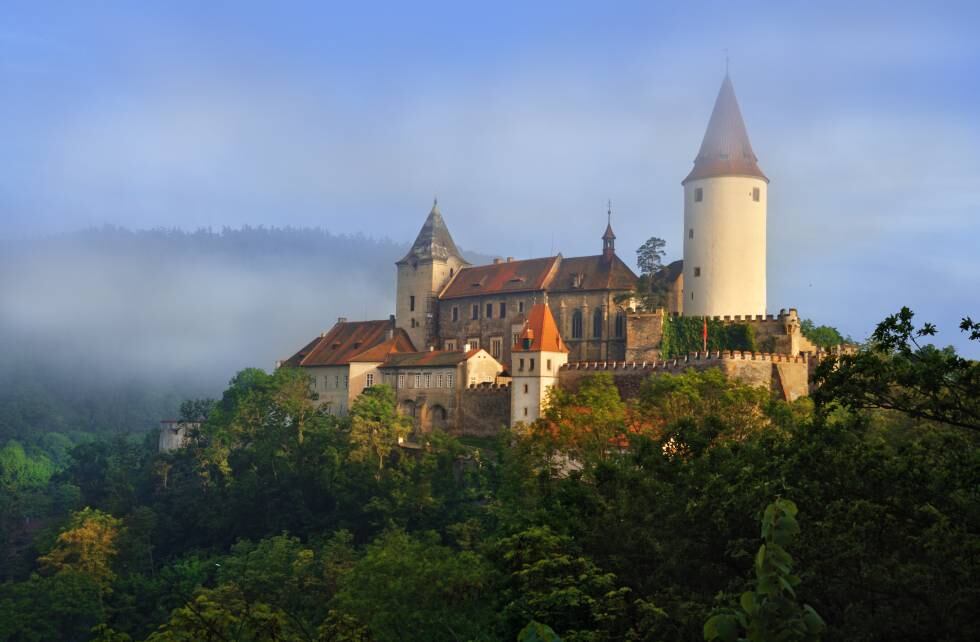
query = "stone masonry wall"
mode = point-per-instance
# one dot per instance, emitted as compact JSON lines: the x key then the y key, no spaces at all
{"x":485,"y":410}
{"x":785,"y":375}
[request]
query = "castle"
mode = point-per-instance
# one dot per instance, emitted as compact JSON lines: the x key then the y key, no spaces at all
{"x":472,"y":348}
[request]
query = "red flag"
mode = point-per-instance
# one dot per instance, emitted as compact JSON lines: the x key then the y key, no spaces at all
{"x":704,"y":334}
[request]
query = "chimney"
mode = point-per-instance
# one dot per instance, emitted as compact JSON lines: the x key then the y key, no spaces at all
{"x":466,"y":347}
{"x":496,"y":260}
{"x":391,"y":327}
{"x":510,"y":259}
{"x":341,"y":319}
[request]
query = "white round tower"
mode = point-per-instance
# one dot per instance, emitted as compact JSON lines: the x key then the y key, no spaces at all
{"x":725,"y":219}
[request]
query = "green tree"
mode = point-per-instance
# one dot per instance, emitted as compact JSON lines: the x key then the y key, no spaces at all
{"x":896,"y":372}
{"x":375,"y":425}
{"x":650,"y":255}
{"x":87,"y":545}
{"x":824,"y":336}
{"x":771,"y":611}
{"x":412,"y":587}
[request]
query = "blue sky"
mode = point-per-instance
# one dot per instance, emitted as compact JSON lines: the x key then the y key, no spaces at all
{"x":523,"y":119}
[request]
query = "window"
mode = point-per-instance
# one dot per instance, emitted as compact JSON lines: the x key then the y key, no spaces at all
{"x":418,"y":381}
{"x":549,"y":365}
{"x":413,"y":323}
{"x":530,"y":365}
{"x":690,"y":233}
{"x":369,"y":380}
{"x":692,"y":296}
{"x":597,"y":323}
{"x":489,"y":310}
{"x":520,"y":307}
{"x":755,"y":194}
{"x":520,"y":365}
{"x":517,"y":339}
{"x":525,"y":411}
{"x":401,"y":381}
{"x":577,"y":324}
{"x":475,"y":312}
{"x":698,"y":194}
{"x":411,"y":303}
{"x":450,"y":345}
{"x":474,"y":343}
{"x":525,"y":388}
{"x":428,"y":380}
{"x":438,"y":381}
{"x":503,"y":310}
{"x":496,"y":344}
{"x":449,"y":381}
{"x":697,"y":271}
{"x":620,"y":324}
{"x":336,"y":382}
{"x":455,"y":313}
{"x":346,"y":381}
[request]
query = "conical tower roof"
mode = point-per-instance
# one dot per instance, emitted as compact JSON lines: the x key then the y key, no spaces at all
{"x":540,"y":332}
{"x":726,"y":150}
{"x":433,"y":241}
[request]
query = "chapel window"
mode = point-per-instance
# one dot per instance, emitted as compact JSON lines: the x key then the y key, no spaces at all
{"x":597,"y":323}
{"x":577,"y":324}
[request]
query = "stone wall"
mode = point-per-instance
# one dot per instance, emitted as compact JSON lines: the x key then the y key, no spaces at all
{"x":785,"y":375}
{"x":778,"y":334}
{"x":644,"y":334}
{"x":485,"y":410}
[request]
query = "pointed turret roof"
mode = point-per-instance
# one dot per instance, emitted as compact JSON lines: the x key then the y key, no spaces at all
{"x":540,"y":333}
{"x":726,"y":150}
{"x":433,"y":241}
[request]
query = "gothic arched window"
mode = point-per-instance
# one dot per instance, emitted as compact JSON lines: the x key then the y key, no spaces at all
{"x":577,"y":324}
{"x":620,"y":324}
{"x":597,"y":324}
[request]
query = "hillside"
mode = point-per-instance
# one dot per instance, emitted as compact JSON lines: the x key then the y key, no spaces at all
{"x":106,"y":329}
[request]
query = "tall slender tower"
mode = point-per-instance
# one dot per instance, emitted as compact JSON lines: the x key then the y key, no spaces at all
{"x":725,"y":219}
{"x":422,"y":273}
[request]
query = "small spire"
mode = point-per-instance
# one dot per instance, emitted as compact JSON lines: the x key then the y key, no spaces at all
{"x":609,"y":212}
{"x":435,"y":204}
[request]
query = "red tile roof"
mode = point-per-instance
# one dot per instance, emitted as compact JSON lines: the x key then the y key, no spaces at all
{"x":540,"y":333}
{"x":507,"y":276}
{"x":432,"y":358}
{"x":593,"y":273}
{"x":553,"y":273}
{"x":346,"y":341}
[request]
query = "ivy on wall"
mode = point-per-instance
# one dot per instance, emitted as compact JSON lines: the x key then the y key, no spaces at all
{"x":684,"y":334}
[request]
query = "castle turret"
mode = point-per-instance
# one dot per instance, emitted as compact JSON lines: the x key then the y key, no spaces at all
{"x":422,"y":273}
{"x":608,"y":238}
{"x":535,"y":361}
{"x":725,"y":219}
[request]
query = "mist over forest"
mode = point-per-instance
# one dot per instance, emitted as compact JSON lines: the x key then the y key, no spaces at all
{"x":109,"y":329}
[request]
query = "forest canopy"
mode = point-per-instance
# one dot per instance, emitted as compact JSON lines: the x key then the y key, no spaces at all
{"x":700,"y":509}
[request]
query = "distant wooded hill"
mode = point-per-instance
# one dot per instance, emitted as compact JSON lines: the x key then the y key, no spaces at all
{"x":106,"y":329}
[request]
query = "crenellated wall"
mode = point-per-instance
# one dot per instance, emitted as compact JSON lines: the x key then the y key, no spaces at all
{"x":485,"y":410}
{"x":786,"y":375}
{"x":773,"y":333}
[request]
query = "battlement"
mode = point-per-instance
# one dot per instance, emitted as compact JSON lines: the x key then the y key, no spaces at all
{"x":783,"y":316}
{"x":692,"y":359}
{"x":488,"y":387}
